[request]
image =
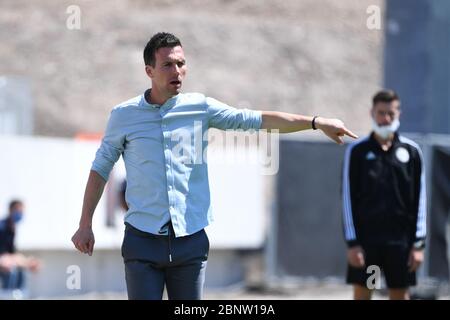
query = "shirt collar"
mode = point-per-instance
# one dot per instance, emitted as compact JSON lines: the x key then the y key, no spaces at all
{"x":166,"y":105}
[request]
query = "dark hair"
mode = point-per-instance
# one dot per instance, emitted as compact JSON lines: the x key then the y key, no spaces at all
{"x":159,"y":40}
{"x":14,"y":203}
{"x":385,"y":96}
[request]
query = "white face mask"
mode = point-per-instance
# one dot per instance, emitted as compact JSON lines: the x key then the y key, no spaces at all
{"x":385,"y":131}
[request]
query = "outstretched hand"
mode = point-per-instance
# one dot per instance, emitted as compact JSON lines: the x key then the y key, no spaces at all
{"x":334,"y":129}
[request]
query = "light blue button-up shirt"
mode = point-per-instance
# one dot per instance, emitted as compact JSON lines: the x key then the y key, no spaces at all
{"x":162,"y":147}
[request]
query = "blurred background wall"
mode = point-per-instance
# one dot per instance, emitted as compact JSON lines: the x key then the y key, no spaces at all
{"x":315,"y":57}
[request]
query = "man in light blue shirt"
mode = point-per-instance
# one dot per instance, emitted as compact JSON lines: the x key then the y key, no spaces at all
{"x":166,"y":182}
{"x":167,"y":179}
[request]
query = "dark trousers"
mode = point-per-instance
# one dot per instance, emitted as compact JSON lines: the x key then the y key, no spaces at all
{"x":392,"y":259}
{"x":154,"y":261}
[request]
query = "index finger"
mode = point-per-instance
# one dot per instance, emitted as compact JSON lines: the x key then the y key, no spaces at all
{"x":350,"y":134}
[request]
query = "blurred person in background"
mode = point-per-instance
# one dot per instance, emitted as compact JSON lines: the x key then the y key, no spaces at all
{"x":165,"y":243}
{"x":12,"y":263}
{"x":384,"y":203}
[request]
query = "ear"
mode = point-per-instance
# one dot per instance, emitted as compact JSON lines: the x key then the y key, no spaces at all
{"x":149,"y":70}
{"x":372,"y":112}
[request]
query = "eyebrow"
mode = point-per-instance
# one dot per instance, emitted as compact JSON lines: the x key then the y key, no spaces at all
{"x":174,"y":61}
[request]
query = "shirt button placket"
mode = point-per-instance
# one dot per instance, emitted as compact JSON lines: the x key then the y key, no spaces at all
{"x":166,"y":136}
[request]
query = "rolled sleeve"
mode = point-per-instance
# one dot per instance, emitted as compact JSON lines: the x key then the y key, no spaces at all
{"x":222,"y":116}
{"x":111,"y":147}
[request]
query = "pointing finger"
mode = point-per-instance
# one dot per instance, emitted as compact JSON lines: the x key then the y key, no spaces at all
{"x":350,"y":134}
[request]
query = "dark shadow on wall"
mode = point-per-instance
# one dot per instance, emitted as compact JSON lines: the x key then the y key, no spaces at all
{"x":309,"y":235}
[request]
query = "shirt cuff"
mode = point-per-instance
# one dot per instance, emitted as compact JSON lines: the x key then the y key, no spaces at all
{"x":103,"y":173}
{"x":419,"y":244}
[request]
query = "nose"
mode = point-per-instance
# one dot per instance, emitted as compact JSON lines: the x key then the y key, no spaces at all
{"x":177,"y":69}
{"x":387,"y":119}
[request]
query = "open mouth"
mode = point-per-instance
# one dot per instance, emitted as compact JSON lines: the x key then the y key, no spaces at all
{"x":175,"y":82}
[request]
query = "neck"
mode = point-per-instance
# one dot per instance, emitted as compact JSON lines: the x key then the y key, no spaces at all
{"x":156,"y":97}
{"x":384,"y":143}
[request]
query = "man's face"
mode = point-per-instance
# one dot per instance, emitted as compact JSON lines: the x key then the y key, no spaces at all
{"x":169,"y":71}
{"x":384,"y":113}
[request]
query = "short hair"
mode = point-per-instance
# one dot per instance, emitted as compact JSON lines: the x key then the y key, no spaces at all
{"x":14,"y":203}
{"x":385,"y":96}
{"x":159,"y":40}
